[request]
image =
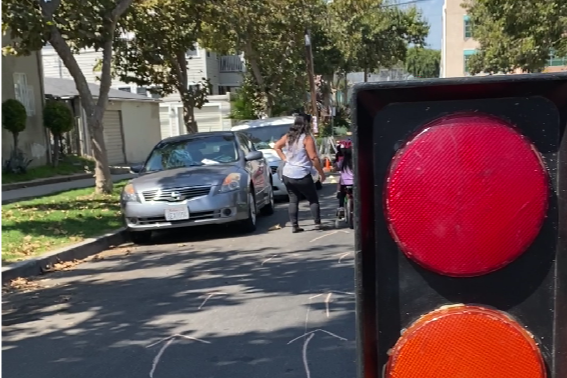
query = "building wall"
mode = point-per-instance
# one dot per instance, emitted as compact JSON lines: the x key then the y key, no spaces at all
{"x":455,"y":45}
{"x":212,"y":66}
{"x":140,"y":124}
{"x":33,"y":140}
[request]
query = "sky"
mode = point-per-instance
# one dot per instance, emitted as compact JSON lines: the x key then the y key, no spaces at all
{"x":432,"y":12}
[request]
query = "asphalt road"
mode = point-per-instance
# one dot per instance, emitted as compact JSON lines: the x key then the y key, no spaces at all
{"x":200,"y":303}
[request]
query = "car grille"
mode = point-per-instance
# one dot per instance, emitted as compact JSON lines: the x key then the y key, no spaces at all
{"x":165,"y":195}
{"x":274,"y":169}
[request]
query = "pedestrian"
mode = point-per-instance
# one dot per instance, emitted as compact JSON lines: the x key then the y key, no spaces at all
{"x":300,"y":158}
{"x":347,"y":177}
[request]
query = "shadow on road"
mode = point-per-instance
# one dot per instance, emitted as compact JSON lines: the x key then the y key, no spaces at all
{"x":98,"y":319}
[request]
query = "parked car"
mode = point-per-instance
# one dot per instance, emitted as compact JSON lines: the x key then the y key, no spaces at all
{"x":264,"y":133}
{"x":203,"y":178}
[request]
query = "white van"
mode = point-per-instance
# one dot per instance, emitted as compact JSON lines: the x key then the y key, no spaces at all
{"x":264,"y":133}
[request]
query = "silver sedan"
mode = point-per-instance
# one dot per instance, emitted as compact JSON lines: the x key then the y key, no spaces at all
{"x":204,"y":178}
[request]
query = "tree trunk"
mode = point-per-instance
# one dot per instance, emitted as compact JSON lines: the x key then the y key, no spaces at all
{"x":365,"y":74}
{"x":103,"y":177}
{"x":189,"y":118}
{"x":56,"y":149}
{"x":15,"y":135}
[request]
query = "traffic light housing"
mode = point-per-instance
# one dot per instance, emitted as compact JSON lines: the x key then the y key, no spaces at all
{"x":466,"y":228}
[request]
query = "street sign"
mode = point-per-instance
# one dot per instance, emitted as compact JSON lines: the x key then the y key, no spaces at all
{"x":461,"y":260}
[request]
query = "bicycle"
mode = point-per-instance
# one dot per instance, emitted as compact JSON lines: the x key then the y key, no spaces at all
{"x":347,"y":214}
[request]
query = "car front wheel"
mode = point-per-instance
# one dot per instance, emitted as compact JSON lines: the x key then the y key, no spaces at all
{"x":249,"y":225}
{"x":270,"y":207}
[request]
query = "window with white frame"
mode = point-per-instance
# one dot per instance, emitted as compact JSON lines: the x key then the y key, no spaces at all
{"x":142,"y":91}
{"x":467,"y":26}
{"x":193,"y":53}
{"x":24,"y":92}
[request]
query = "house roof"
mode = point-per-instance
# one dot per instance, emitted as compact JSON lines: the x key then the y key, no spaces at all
{"x":65,"y":88}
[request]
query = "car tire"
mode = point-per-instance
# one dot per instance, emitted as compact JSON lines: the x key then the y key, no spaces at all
{"x":249,"y":225}
{"x":269,"y":209}
{"x":140,"y":237}
{"x":319,"y":185}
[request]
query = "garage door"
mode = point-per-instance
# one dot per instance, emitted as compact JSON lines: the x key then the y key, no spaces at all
{"x":112,"y":122}
{"x":209,"y":118}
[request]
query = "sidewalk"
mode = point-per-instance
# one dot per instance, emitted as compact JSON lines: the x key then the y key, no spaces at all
{"x":43,"y":190}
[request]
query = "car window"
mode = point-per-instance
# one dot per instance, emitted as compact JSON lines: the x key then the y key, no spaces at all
{"x":218,"y":149}
{"x":264,"y":137}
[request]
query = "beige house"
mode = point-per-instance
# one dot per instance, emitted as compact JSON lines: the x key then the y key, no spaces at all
{"x":458,"y":45}
{"x":21,"y":80}
{"x":131,"y":121}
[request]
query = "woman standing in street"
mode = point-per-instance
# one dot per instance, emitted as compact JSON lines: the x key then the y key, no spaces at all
{"x":300,"y":158}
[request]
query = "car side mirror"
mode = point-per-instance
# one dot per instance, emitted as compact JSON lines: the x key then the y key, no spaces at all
{"x":136,"y":168}
{"x":254,"y":155}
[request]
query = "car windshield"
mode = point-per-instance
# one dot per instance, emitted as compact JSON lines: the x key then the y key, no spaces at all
{"x":264,"y":137}
{"x":192,"y":152}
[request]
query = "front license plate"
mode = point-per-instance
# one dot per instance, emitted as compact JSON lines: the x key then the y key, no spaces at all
{"x":177,"y":212}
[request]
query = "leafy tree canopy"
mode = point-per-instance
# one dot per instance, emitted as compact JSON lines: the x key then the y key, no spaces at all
{"x":423,"y":63}
{"x":271,"y":34}
{"x":373,"y":35}
{"x":161,"y":33}
{"x":516,"y":34}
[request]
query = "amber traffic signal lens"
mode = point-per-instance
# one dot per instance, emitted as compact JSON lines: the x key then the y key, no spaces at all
{"x":466,"y":342}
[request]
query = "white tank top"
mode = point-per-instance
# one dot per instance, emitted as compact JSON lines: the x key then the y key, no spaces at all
{"x":298,"y":164}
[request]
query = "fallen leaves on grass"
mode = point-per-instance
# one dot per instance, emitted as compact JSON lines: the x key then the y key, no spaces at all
{"x":46,"y":223}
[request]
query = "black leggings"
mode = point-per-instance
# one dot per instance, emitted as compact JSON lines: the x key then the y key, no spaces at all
{"x":298,"y":188}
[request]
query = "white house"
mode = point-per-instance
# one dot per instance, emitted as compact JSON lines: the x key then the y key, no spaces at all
{"x":224,"y":72}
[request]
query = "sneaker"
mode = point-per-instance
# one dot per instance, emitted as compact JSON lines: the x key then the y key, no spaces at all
{"x":318,"y":226}
{"x":296,"y":229}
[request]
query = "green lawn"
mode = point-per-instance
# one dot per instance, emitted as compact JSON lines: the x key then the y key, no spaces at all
{"x":69,"y":166}
{"x":30,"y":228}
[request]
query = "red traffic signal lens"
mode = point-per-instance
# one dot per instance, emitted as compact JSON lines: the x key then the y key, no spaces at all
{"x":466,"y":342}
{"x":466,"y":196}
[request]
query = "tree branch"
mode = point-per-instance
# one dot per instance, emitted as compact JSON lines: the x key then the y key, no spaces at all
{"x":121,"y":7}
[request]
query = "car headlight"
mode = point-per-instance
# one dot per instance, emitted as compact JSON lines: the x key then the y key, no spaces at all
{"x":129,"y":194}
{"x":231,"y":182}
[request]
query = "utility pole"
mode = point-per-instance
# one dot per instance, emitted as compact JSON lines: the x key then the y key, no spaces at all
{"x":310,"y":72}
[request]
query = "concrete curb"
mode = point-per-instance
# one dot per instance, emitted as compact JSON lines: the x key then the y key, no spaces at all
{"x":89,"y":247}
{"x":59,"y":179}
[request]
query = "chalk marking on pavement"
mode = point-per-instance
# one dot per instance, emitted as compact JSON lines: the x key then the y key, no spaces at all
{"x":327,"y":300}
{"x":265,"y":261}
{"x":317,"y":330}
{"x":170,"y":340}
{"x":304,"y":352}
{"x":209,"y":297}
{"x":343,"y":255}
{"x":324,"y":236}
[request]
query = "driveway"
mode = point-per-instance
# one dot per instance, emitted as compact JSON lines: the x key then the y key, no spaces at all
{"x":201,"y":303}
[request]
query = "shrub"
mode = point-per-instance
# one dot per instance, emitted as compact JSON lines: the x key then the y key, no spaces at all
{"x":14,"y":118}
{"x":58,"y":118}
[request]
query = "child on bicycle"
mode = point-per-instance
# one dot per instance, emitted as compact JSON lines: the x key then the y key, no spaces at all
{"x":346,"y":177}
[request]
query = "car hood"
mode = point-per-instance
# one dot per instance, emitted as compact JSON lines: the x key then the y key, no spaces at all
{"x":180,"y":177}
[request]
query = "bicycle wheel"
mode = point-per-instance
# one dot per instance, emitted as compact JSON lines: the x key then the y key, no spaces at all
{"x":350,"y":211}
